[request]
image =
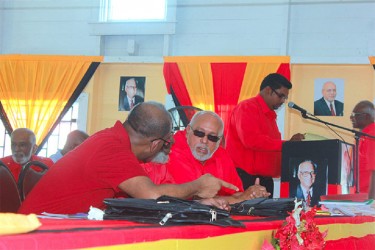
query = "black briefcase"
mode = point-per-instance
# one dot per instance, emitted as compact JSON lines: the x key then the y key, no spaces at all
{"x":167,"y":211}
{"x":277,"y":207}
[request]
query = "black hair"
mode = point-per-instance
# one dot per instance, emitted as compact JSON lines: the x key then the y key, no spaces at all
{"x":275,"y":81}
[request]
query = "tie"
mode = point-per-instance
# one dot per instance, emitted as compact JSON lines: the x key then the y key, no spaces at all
{"x":308,"y":199}
{"x":131,"y":104}
{"x":332,"y":110}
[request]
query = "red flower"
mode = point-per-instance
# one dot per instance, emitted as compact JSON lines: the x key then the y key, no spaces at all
{"x":305,"y":236}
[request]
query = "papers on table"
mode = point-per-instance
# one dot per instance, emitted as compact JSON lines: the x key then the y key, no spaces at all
{"x":350,"y":208}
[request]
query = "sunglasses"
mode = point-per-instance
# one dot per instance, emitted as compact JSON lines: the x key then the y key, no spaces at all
{"x":200,"y":134}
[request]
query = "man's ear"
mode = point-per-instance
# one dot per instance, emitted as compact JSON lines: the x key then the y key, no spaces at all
{"x":35,"y":147}
{"x":154,"y":146}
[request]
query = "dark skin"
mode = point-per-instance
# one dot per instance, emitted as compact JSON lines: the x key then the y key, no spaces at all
{"x":361,"y":116}
{"x":274,"y":99}
{"x":145,"y":150}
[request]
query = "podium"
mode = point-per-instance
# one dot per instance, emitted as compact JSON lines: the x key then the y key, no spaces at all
{"x":333,"y":167}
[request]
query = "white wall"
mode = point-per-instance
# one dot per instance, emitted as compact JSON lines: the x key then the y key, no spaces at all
{"x":330,"y":31}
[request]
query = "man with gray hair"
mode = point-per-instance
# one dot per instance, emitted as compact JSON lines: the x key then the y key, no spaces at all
{"x":23,"y":146}
{"x":108,"y":163}
{"x":196,"y":152}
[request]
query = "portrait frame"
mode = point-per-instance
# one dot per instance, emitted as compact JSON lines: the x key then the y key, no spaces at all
{"x":318,"y":96}
{"x":140,"y":82}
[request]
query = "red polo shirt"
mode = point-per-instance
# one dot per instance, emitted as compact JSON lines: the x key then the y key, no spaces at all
{"x":183,"y":167}
{"x":86,"y":176}
{"x":253,"y":138}
{"x":16,"y":168}
{"x":366,"y":158}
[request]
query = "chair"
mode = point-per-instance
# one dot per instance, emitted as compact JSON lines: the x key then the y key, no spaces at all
{"x":29,"y":177}
{"x":181,"y":116}
{"x":9,"y":196}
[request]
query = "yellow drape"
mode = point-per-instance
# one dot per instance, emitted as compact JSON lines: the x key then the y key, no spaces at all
{"x":35,"y":88}
{"x":197,"y":75}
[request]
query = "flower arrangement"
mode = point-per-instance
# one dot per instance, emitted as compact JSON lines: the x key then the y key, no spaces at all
{"x":299,"y":231}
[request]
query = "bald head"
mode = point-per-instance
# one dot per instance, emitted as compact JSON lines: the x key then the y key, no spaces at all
{"x":23,"y":145}
{"x":75,"y":138}
{"x":363,"y":114}
{"x":150,"y":119}
{"x":329,"y":91}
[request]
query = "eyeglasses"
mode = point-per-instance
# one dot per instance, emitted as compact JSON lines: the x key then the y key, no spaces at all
{"x":353,"y":114}
{"x":165,"y":144}
{"x":281,"y":96}
{"x":307,"y":173}
{"x":200,"y":134}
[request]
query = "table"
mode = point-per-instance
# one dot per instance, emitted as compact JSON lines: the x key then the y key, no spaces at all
{"x":343,"y":233}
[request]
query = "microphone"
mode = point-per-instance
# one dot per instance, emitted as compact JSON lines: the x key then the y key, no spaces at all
{"x":296,"y":107}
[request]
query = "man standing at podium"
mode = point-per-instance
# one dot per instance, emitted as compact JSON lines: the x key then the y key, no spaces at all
{"x":363,"y":117}
{"x":253,"y":138}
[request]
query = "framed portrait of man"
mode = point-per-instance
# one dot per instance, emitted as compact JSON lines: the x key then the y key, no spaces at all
{"x":132,"y":92}
{"x":308,"y":179}
{"x":329,"y":97}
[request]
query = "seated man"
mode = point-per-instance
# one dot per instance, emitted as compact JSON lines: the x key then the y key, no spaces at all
{"x":108,"y":163}
{"x":23,"y":146}
{"x":75,"y":138}
{"x":197,"y":152}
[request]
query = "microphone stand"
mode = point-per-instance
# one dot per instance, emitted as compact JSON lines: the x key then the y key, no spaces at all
{"x":357,"y":135}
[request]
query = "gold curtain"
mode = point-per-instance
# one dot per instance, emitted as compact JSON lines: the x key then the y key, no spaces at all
{"x":34,"y":89}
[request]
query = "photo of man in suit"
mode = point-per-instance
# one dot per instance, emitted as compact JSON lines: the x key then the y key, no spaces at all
{"x":129,"y":94}
{"x":305,"y":189}
{"x":328,"y":105}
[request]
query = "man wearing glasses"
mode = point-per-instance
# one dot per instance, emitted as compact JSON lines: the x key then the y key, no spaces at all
{"x":253,"y":139}
{"x":363,"y":117}
{"x":305,"y":190}
{"x":108,"y":163}
{"x":196,"y":152}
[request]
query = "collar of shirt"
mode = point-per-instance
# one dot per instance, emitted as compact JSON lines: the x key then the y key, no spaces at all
{"x":265,"y":109}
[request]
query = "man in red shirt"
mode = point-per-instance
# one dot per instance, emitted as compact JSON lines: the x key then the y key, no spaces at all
{"x":23,"y":146}
{"x":108,"y":163}
{"x":363,"y":117}
{"x":253,"y":139}
{"x":196,"y":152}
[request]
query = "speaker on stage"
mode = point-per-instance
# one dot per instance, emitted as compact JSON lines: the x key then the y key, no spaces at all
{"x":314,"y":168}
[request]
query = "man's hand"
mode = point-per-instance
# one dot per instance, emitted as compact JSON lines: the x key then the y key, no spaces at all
{"x":255,"y":191}
{"x":216,"y":202}
{"x":209,"y":186}
{"x":297,"y":137}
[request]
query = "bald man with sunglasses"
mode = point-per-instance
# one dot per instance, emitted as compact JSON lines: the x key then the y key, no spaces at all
{"x":196,"y":152}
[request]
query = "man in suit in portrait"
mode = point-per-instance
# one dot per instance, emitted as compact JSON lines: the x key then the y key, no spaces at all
{"x":327,"y":105}
{"x":128,"y":101}
{"x":306,"y":190}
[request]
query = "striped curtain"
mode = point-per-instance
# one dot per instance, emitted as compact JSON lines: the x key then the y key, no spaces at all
{"x":36,"y":90}
{"x":219,"y":83}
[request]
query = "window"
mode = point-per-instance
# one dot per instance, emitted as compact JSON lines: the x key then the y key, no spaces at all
{"x":74,"y":119}
{"x":131,"y":10}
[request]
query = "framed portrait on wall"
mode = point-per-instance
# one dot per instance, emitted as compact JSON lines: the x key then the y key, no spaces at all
{"x":329,"y":97}
{"x":132,"y":92}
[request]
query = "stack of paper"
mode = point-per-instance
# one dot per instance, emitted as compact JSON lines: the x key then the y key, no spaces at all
{"x":350,"y":208}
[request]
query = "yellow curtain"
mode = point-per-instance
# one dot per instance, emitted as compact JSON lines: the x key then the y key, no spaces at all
{"x":257,"y":68}
{"x":372,"y":59}
{"x":197,"y":75}
{"x":34,"y":89}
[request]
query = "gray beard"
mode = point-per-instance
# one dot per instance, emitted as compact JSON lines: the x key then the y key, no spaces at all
{"x":161,"y":158}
